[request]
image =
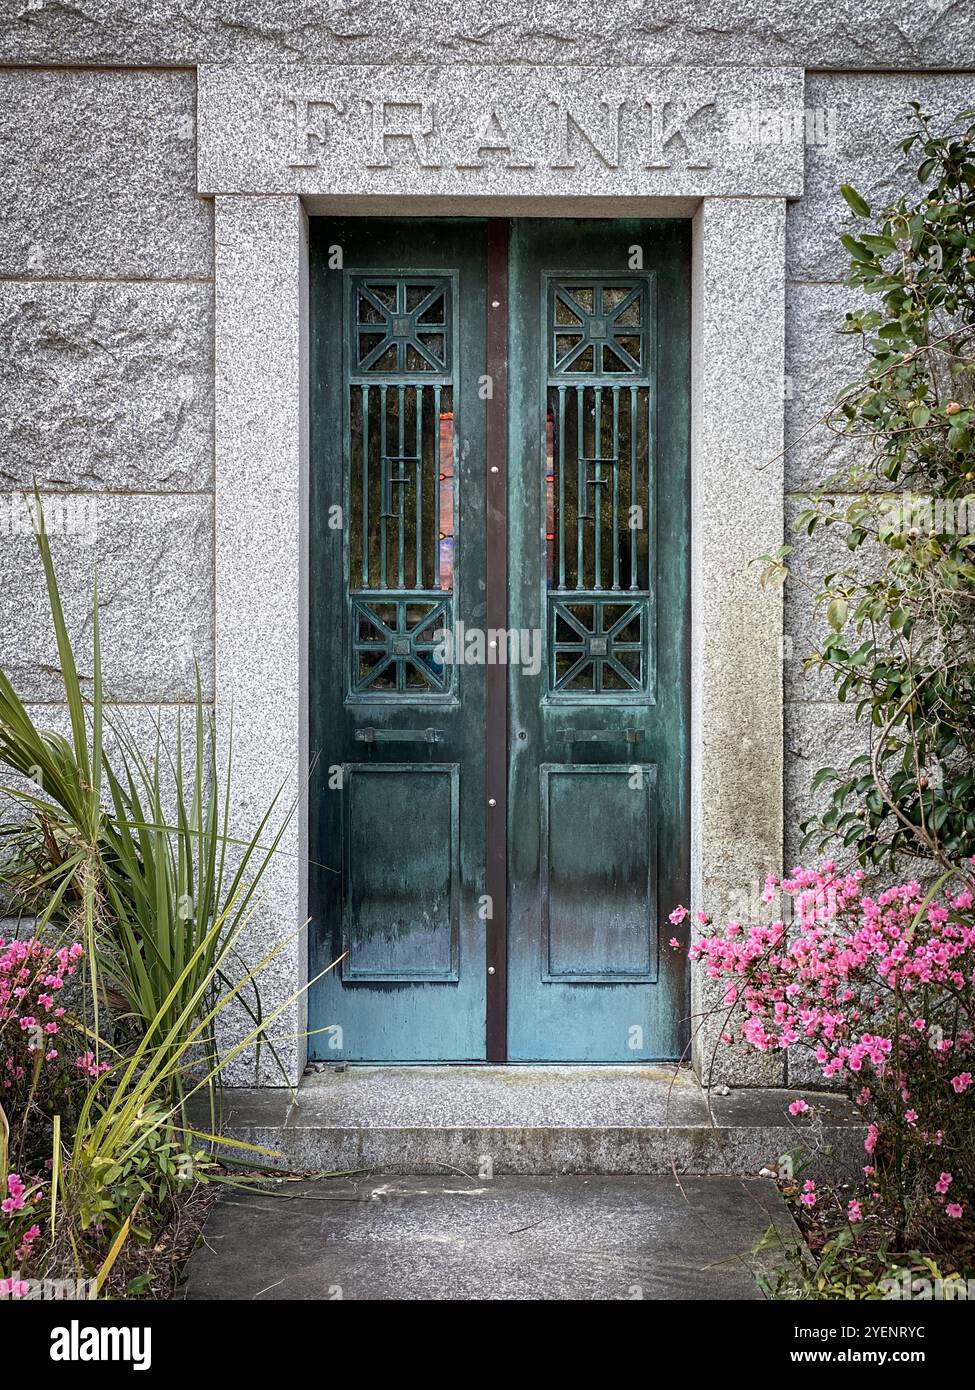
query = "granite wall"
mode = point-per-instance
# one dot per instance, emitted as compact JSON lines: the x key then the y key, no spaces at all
{"x":107,"y":259}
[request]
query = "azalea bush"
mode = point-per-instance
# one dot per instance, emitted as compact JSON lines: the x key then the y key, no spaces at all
{"x":95,"y":1152}
{"x":22,"y":1203}
{"x":33,"y":1060}
{"x":53,"y":1091}
{"x":42,"y":1071}
{"x":880,"y":990}
{"x":95,"y":1147}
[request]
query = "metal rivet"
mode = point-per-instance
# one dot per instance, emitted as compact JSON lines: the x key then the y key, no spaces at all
{"x":495,"y":303}
{"x":491,"y":801}
{"x":490,"y":969}
{"x":494,"y":468}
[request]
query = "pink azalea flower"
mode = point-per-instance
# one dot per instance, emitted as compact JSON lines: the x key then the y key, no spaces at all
{"x":15,"y":1201}
{"x":798,"y":1107}
{"x":943,"y":1183}
{"x":675,"y":943}
{"x":677,"y":916}
{"x":954,"y":1210}
{"x":961,"y":1082}
{"x":853,"y":1212}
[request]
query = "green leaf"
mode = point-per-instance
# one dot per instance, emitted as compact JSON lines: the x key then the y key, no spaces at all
{"x":836,"y":613}
{"x":856,"y":249}
{"x":859,"y":205}
{"x":879,"y":245}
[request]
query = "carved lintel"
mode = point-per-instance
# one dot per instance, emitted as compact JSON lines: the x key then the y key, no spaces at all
{"x":535,"y":131}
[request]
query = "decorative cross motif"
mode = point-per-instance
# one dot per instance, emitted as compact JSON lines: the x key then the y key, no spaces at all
{"x":396,"y":641}
{"x":401,"y":326}
{"x":599,"y":647}
{"x":598,"y":328}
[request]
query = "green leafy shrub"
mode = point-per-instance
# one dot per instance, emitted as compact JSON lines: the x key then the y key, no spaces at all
{"x":901,"y":644}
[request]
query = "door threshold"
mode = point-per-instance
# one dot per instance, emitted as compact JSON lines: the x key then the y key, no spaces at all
{"x":670,"y":1062}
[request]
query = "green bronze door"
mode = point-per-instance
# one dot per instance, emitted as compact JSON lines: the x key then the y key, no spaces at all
{"x":498,"y":642}
{"x":598,"y":553}
{"x":397,"y":557}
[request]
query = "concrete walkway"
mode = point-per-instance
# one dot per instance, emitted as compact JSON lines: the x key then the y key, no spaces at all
{"x":460,"y":1238}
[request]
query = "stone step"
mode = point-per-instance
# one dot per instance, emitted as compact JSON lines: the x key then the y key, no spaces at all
{"x":536,"y":1120}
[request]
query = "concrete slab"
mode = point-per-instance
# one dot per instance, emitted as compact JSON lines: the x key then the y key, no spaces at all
{"x":512,"y":1238}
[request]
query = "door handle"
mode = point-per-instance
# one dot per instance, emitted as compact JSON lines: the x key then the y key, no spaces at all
{"x":371,"y":735}
{"x":602,"y":735}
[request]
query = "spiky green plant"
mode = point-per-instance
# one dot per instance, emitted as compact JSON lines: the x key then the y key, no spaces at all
{"x":155,"y":897}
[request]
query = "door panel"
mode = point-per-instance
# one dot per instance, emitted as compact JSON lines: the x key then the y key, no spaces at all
{"x":598,"y":846}
{"x":397,"y":795}
{"x":598,"y":553}
{"x":402,"y":871}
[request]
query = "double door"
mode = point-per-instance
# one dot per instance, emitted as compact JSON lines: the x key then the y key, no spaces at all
{"x":498,"y":647}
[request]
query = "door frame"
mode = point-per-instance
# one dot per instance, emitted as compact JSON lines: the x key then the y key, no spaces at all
{"x":261,"y":492}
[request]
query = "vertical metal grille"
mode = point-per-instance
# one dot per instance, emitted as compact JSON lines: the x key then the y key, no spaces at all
{"x":400,"y":447}
{"x":402,"y":479}
{"x":599,"y":452}
{"x":598,"y":487}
